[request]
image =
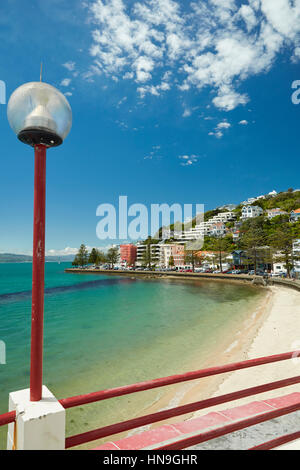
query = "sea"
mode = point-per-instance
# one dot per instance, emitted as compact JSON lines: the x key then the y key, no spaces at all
{"x":102,"y":332}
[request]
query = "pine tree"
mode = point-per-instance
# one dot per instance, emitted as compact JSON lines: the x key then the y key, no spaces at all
{"x":112,"y":256}
{"x":82,"y":256}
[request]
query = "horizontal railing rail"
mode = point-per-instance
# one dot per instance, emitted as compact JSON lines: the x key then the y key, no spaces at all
{"x":106,"y":431}
{"x":7,"y":418}
{"x":171,"y":380}
{"x":278,"y":441}
{"x":173,"y":412}
{"x":229,"y":428}
{"x":123,"y":426}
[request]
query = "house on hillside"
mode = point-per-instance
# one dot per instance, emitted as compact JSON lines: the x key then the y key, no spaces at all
{"x":295,"y":215}
{"x":248,"y":212}
{"x":218,"y":229}
{"x":274,"y":212}
{"x":236,"y":235}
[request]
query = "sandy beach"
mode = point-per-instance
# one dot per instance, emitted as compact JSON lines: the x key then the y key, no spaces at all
{"x":279,"y":333}
{"x":273,"y":328}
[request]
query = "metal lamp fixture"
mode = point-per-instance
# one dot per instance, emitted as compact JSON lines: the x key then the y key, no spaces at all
{"x":41,"y":116}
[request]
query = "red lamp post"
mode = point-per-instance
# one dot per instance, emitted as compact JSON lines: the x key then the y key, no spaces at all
{"x":41,"y":117}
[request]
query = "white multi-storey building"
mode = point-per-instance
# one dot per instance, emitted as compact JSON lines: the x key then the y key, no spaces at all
{"x":296,"y":254}
{"x":248,"y":212}
{"x":155,"y":253}
{"x":223,"y":217}
{"x":213,"y":227}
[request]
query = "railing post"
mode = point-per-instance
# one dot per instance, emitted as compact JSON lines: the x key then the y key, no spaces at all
{"x":39,"y":425}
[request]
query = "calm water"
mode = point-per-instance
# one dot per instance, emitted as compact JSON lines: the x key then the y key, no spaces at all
{"x":105,"y":331}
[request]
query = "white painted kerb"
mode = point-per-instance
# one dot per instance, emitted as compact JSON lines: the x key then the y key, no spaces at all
{"x":40,"y":425}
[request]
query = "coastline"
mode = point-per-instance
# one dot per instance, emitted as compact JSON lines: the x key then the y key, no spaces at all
{"x":235,"y":350}
{"x":278,"y":333}
{"x":273,"y":329}
{"x":266,"y":332}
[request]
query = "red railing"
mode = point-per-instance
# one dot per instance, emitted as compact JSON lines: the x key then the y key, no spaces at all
{"x":279,"y":441}
{"x":7,"y":418}
{"x":181,"y":410}
{"x":229,"y":428}
{"x":155,"y":417}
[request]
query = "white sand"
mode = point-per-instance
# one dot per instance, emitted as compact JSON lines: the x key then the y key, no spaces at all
{"x":279,"y":333}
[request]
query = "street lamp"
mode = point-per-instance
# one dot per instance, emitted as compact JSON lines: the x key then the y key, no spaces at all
{"x":41,"y":117}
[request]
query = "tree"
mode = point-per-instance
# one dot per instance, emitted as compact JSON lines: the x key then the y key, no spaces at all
{"x":147,"y":256}
{"x":101,"y":258}
{"x":75,"y":261}
{"x":190,"y":258}
{"x":112,"y":256}
{"x":82,"y":257}
{"x":93,"y":256}
{"x":171,"y":261}
{"x":282,"y":240}
{"x":252,"y":241}
{"x":222,"y":246}
{"x":193,"y":258}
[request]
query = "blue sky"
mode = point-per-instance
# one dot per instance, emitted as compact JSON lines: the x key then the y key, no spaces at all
{"x":173,"y":102}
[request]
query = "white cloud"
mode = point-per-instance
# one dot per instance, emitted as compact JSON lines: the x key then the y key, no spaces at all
{"x":249,"y":16}
{"x":219,"y":134}
{"x":243,"y":122}
{"x":228,"y":99}
{"x":121,"y":101}
{"x":187,"y":113}
{"x":188,"y":160}
{"x":216,"y":44}
{"x":64,"y":252}
{"x":70,"y":66}
{"x":223,"y":125}
{"x":65,"y":82}
{"x":219,"y":129}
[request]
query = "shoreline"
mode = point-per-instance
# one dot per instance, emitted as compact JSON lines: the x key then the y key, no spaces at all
{"x":279,"y":333}
{"x":268,"y":332}
{"x":175,"y":395}
{"x":244,"y":279}
{"x":208,"y":387}
{"x":264,"y":331}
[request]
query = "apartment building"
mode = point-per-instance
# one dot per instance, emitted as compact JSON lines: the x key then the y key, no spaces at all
{"x":155,"y":253}
{"x":128,"y":254}
{"x":172,"y":251}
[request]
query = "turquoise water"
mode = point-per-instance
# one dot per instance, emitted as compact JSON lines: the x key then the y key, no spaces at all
{"x":103,"y":331}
